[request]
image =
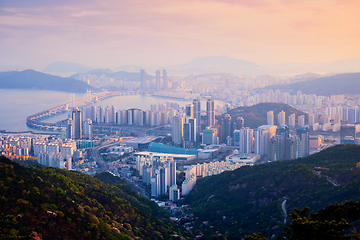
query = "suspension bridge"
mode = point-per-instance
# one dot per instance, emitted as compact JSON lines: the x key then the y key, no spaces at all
{"x":35,"y":120}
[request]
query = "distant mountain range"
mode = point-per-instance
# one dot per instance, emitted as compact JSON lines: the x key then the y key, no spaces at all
{"x":346,"y":83}
{"x":31,"y":79}
{"x":131,"y":76}
{"x":222,"y":64}
{"x":339,"y":66}
{"x":66,"y":67}
{"x":236,"y":203}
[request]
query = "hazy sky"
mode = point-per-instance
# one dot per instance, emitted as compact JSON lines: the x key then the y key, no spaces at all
{"x":166,"y":32}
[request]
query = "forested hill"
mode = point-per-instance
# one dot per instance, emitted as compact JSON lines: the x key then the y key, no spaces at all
{"x":31,"y":79}
{"x":256,"y":115}
{"x":59,"y":204}
{"x":345,"y":83}
{"x":250,"y":199}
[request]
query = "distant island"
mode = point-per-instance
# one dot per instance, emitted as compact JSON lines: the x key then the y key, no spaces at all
{"x":31,"y":79}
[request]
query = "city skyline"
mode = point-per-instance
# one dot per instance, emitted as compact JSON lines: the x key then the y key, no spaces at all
{"x":163,"y":33}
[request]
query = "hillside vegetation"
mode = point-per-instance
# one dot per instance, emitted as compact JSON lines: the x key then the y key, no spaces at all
{"x":59,"y":204}
{"x":335,"y":222}
{"x":256,"y":115}
{"x":345,"y":83}
{"x":250,"y":199}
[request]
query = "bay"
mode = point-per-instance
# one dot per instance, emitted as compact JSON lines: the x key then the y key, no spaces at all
{"x":16,"y":105}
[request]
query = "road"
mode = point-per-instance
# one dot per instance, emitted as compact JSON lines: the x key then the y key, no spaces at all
{"x":94,"y":154}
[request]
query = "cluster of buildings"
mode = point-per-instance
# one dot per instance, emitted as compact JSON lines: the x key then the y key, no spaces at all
{"x":78,"y":126}
{"x":48,"y":151}
{"x":186,"y":126}
{"x":158,"y":115}
{"x":161,"y":83}
{"x":158,"y":171}
{"x":16,"y":146}
{"x":56,"y":152}
{"x":212,"y":168}
{"x":350,"y":134}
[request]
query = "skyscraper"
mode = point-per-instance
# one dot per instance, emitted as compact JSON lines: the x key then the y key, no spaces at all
{"x":77,"y":124}
{"x":240,"y":122}
{"x":226,"y":127}
{"x":157,"y":80}
{"x":210,"y":112}
{"x":301,"y":120}
{"x":311,"y":119}
{"x":292,"y":120}
{"x":165,"y":80}
{"x":142,"y":80}
{"x":197,"y":114}
{"x":177,"y":129}
{"x":270,"y":118}
{"x":88,"y":129}
{"x":192,"y":121}
{"x":189,"y":110}
{"x":303,"y":133}
{"x":262,"y":137}
{"x":293,"y":147}
{"x":281,"y":118}
{"x":283,"y":132}
{"x":246,"y":140}
{"x":69,"y":130}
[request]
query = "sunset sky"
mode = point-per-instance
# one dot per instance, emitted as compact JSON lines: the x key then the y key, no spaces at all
{"x":168,"y":32}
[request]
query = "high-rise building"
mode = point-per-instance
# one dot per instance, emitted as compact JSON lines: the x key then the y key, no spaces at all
{"x":226,"y":127}
{"x":93,"y":113}
{"x":113,"y":115}
{"x":292,"y":120}
{"x":142,"y":80}
{"x":189,"y":110}
{"x":293,"y":147}
{"x":165,"y":80}
{"x":193,"y":131}
{"x":270,"y":118}
{"x":209,"y":136}
{"x":303,"y":133}
{"x":155,"y":184}
{"x":69,"y":130}
{"x":283,"y":132}
{"x":163,"y":180}
{"x":197,"y":114}
{"x":281,"y":118}
{"x":301,"y":120}
{"x":177,"y":129}
{"x":174,"y":193}
{"x":157,"y":80}
{"x":311,"y":119}
{"x":187,"y":132}
{"x":172,"y":172}
{"x":88,"y":129}
{"x":129,"y":117}
{"x":77,"y":124}
{"x":246,"y":140}
{"x":101,"y":113}
{"x":240,"y":123}
{"x":274,"y":148}
{"x":210,"y":112}
{"x":262,"y":137}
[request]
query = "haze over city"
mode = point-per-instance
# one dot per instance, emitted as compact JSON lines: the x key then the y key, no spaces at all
{"x":109,"y":34}
{"x":180,"y":119}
